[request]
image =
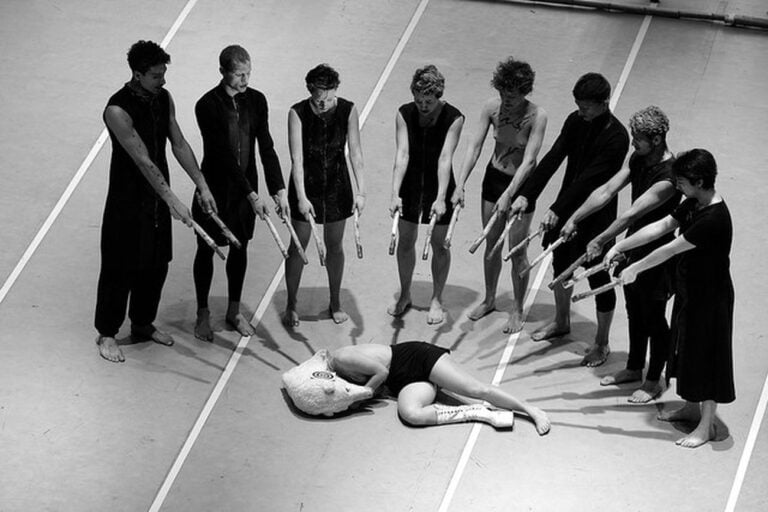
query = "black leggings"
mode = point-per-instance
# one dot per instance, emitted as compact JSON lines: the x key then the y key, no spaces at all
{"x":202,"y":270}
{"x":647,"y":320}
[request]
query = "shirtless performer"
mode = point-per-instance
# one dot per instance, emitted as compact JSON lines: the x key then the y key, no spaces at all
{"x":413,"y":371}
{"x":518,"y":128}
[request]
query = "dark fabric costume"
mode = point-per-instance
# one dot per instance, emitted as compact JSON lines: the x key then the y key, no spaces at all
{"x":230,"y":127}
{"x":702,"y":318}
{"x":495,"y":182}
{"x":420,"y":182}
{"x":595,"y":151}
{"x":412,"y":361}
{"x":136,"y":227}
{"x":326,"y":178}
{"x":646,"y":298}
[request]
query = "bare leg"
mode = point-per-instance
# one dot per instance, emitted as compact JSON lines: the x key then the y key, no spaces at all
{"x":561,"y":324}
{"x":294,"y":266}
{"x":237,"y":320}
{"x":415,"y":405}
{"x":441,"y":264}
{"x":598,"y":353}
{"x":333,"y":233}
{"x":449,"y":375}
{"x":406,"y":262}
{"x":203,"y":329}
{"x":519,"y":283}
{"x":109,"y":349}
{"x":705,"y":430}
{"x":491,"y":266}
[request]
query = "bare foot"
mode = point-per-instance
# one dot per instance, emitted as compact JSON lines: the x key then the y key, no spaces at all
{"x":481,"y":310}
{"x":596,"y":355}
{"x":622,"y":376}
{"x":539,"y":418}
{"x":701,"y":435}
{"x":399,"y":308}
{"x":150,"y":332}
{"x":650,"y":390}
{"x":109,"y":349}
{"x":339,"y":316}
{"x":515,"y":323}
{"x":689,"y":412}
{"x":240,"y":324}
{"x":203,"y":325}
{"x":551,"y":330}
{"x":436,"y":313}
{"x":290,"y":318}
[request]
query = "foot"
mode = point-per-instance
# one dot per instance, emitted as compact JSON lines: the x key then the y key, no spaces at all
{"x":203,"y":325}
{"x":690,"y":412}
{"x":622,"y":376}
{"x":290,"y":318}
{"x":436,"y":313}
{"x":399,"y":308}
{"x":149,"y":332}
{"x":481,"y":310}
{"x":109,"y":349}
{"x":701,"y":435}
{"x":339,"y":315}
{"x":515,"y":323}
{"x":540,"y":419}
{"x":650,"y":390}
{"x":551,"y":330}
{"x":240,"y":324}
{"x":595,"y":356}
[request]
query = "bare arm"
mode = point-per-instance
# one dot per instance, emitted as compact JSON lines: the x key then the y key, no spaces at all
{"x":444,"y":164}
{"x":297,"y":162}
{"x":401,"y":163}
{"x":356,"y":157}
{"x":354,"y":362}
{"x":655,"y":258}
{"x":596,"y":200}
{"x":474,"y":148}
{"x":647,"y":234}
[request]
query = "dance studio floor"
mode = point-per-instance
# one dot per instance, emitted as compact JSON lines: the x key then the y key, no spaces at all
{"x":205,"y":426}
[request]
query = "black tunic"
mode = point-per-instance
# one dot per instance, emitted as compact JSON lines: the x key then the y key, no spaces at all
{"x":702,"y":319}
{"x":230,"y":127}
{"x":326,"y":177}
{"x":136,"y":228}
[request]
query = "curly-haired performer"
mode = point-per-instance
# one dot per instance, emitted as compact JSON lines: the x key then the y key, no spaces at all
{"x":518,"y":129}
{"x":413,"y":371}
{"x":427,"y":132}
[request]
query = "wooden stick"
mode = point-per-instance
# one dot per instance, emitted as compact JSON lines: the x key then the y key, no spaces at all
{"x":596,"y":291}
{"x":318,"y":241}
{"x":486,"y":230}
{"x":358,"y":244}
{"x":208,"y":240}
{"x":452,"y":226}
{"x":432,"y":222}
{"x":567,"y":272}
{"x":594,"y":270}
{"x":554,"y":245}
{"x":295,"y":239}
{"x":522,"y":244}
{"x":276,"y":236}
{"x":393,"y":238}
{"x":500,"y":242}
{"x":225,"y":231}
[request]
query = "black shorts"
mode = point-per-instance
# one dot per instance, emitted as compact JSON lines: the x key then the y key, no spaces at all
{"x":495,"y":183}
{"x":412,"y":361}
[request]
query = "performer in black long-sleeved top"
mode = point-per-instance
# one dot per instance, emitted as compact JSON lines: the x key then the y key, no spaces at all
{"x":595,"y":144}
{"x":232,"y":118}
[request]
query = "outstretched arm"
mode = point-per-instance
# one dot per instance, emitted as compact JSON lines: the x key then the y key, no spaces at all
{"x":655,"y":258}
{"x":647,"y":234}
{"x":596,"y":200}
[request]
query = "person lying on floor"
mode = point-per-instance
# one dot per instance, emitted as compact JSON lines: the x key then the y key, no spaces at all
{"x":414,"y":370}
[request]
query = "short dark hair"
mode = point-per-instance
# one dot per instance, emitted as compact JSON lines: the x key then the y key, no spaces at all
{"x":146,"y":54}
{"x":696,"y":164}
{"x":231,"y":54}
{"x":323,"y":77}
{"x":513,"y":76}
{"x":428,"y":80}
{"x":592,"y":87}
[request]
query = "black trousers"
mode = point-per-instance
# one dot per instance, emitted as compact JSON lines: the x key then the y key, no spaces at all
{"x":116,"y":284}
{"x":646,"y":315}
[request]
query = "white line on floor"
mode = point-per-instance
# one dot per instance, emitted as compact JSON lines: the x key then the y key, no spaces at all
{"x":507,"y":354}
{"x":267,"y":297}
{"x":746,"y":454}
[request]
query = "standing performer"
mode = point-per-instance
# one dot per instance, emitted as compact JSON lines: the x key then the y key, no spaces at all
{"x":654,"y":196}
{"x":518,"y":128}
{"x":701,"y":358}
{"x":595,"y":144}
{"x":232,"y":117}
{"x":318,"y":129}
{"x":427,"y":132}
{"x":136,"y":241}
{"x":413,"y":371}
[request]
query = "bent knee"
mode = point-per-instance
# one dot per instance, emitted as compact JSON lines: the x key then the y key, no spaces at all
{"x":418,"y":416}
